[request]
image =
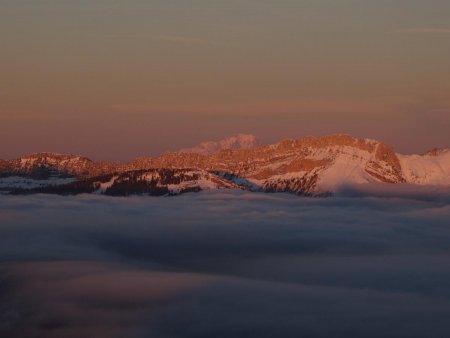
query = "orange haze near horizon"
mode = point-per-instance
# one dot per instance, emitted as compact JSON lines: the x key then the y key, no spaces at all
{"x":116,"y":80}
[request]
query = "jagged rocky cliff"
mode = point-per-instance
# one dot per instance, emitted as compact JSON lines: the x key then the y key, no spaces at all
{"x":308,"y":166}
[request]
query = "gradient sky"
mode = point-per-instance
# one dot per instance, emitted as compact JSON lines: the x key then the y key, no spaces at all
{"x":113,"y":79}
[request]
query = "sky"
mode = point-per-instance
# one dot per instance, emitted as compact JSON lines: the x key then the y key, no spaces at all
{"x":115,"y":79}
{"x":226,"y":264}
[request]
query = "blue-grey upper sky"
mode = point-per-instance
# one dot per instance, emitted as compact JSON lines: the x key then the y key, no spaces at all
{"x":116,"y":79}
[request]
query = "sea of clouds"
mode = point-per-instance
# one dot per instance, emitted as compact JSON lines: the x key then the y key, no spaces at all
{"x":364,"y":263}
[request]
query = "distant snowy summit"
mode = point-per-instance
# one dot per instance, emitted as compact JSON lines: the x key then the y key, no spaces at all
{"x":307,"y":166}
{"x":239,"y":141}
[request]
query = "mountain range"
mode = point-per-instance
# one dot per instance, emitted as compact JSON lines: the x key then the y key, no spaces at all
{"x":307,"y":166}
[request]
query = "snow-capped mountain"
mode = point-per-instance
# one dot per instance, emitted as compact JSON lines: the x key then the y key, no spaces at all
{"x":308,"y":166}
{"x":45,"y":165}
{"x":433,"y":168}
{"x":239,"y":141}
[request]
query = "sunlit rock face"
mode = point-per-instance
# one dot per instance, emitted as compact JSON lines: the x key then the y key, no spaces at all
{"x":307,"y":166}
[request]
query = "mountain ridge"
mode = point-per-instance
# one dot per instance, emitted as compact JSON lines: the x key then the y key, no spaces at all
{"x":307,"y":166}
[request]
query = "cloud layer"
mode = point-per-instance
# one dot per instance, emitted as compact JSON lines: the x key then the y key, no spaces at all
{"x":226,"y":264}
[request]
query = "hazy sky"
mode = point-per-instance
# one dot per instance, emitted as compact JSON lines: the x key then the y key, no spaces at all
{"x":114,"y":79}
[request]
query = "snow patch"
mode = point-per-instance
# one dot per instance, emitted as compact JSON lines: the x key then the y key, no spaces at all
{"x":427,"y":169}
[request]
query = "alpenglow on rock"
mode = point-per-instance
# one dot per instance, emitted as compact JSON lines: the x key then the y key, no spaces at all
{"x":306,"y":166}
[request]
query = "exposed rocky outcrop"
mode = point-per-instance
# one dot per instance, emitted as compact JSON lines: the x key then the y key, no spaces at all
{"x":308,"y":166}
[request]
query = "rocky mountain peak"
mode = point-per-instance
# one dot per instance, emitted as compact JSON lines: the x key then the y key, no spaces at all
{"x":309,"y":165}
{"x":239,"y":141}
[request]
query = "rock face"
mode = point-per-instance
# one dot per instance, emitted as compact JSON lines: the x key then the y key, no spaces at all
{"x":45,"y":165}
{"x":49,"y":165}
{"x":307,"y":166}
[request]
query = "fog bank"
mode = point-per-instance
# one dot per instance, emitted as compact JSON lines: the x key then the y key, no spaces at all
{"x":225,"y":264}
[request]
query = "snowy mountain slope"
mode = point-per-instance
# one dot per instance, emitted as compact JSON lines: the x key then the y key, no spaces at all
{"x":45,"y":165}
{"x":163,"y":182}
{"x":156,"y":182}
{"x":429,"y":169}
{"x":307,"y":166}
{"x":19,"y":182}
